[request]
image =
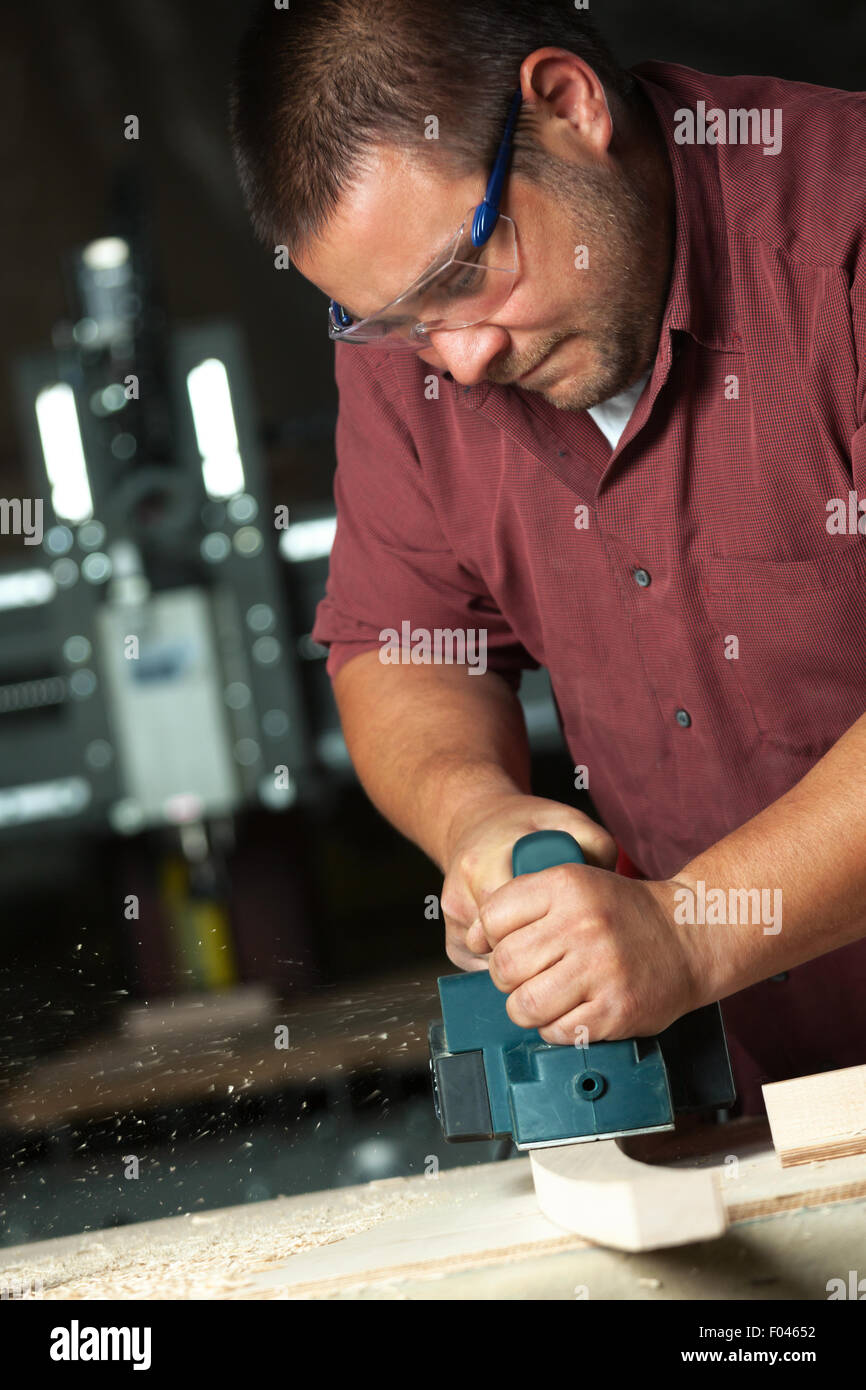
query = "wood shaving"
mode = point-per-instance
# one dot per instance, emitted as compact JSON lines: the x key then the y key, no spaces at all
{"x":208,"y":1255}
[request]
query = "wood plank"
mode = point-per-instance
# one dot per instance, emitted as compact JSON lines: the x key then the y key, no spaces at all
{"x":597,"y":1191}
{"x":469,"y":1222}
{"x":818,"y":1117}
{"x":489,"y":1219}
{"x":480,"y":1218}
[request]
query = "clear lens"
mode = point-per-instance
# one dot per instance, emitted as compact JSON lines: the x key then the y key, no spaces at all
{"x":465,"y":288}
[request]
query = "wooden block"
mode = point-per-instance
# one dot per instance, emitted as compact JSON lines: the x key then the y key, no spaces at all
{"x":818,"y":1117}
{"x":596,"y":1191}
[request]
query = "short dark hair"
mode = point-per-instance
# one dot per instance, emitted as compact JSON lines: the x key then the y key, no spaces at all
{"x":320,"y":84}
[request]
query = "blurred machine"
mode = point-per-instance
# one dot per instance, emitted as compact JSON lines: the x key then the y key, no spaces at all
{"x":143,"y":671}
{"x":148,"y":674}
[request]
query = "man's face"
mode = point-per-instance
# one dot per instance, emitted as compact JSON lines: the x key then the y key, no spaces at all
{"x":582,"y":320}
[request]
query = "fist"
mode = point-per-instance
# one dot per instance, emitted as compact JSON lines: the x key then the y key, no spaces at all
{"x":585,"y":955}
{"x":480,"y":864}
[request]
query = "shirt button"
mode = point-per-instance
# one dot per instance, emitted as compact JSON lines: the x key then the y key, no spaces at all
{"x":779,"y":979}
{"x":643,"y":578}
{"x":684,"y":719}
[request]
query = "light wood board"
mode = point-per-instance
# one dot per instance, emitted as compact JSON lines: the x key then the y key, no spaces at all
{"x":818,"y":1117}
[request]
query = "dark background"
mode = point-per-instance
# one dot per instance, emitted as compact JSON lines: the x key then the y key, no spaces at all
{"x":351,"y":893}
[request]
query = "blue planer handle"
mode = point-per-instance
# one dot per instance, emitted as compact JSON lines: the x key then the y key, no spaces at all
{"x":545,"y":849}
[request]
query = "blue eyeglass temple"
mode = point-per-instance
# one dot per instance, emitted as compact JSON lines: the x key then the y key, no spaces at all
{"x":487,"y":213}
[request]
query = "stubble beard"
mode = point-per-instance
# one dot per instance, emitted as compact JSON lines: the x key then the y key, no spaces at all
{"x":620,"y":324}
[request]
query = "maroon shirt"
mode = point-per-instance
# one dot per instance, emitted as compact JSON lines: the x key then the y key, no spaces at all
{"x":709,"y":521}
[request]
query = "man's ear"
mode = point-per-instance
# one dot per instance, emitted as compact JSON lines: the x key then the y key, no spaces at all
{"x":568,"y":98}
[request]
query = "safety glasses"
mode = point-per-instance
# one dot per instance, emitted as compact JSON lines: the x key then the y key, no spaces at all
{"x":467,"y":283}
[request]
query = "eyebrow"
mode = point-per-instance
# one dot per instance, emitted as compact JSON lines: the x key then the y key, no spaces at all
{"x":428,"y":265}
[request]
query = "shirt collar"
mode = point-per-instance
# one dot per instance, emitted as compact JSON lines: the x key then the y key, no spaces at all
{"x":701,"y":296}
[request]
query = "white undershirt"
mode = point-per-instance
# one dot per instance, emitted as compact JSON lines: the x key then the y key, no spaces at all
{"x":612,"y":416}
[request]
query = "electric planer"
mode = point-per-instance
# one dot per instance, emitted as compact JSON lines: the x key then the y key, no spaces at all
{"x":495,"y":1080}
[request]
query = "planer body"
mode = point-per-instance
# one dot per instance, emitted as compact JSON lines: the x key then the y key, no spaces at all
{"x":495,"y":1080}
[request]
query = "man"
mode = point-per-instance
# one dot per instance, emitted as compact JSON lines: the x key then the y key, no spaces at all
{"x":613,"y":425}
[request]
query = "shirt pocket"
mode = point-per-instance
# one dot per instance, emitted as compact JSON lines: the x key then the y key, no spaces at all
{"x":800,"y":627}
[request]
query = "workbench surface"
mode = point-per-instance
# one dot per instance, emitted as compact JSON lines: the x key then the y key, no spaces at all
{"x":471,"y":1233}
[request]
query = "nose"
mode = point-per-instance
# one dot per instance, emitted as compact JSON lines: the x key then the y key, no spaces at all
{"x":466,"y":353}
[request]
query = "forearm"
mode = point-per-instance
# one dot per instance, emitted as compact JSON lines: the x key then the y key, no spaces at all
{"x":432,"y":744}
{"x":811,"y":846}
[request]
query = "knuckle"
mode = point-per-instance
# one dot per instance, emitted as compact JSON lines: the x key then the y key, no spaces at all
{"x":454,"y":929}
{"x":505,"y":964}
{"x":623,"y":1013}
{"x":597,"y":930}
{"x":563,"y":876}
{"x":598,"y":909}
{"x":523,"y":1006}
{"x":454,"y":903}
{"x":487,"y":918}
{"x":553,"y":1033}
{"x":605,"y":917}
{"x":450,"y":904}
{"x":465,"y":866}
